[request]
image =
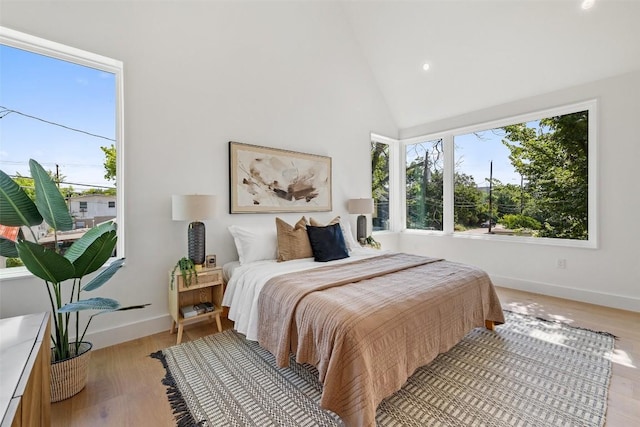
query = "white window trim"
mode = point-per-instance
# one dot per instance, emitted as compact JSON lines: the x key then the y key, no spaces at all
{"x":52,"y":49}
{"x":449,"y":161}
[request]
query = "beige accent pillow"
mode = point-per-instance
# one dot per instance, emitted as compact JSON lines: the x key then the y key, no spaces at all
{"x":293,"y":242}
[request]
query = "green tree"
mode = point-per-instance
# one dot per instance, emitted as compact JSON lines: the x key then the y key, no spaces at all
{"x":554,"y":160}
{"x":510,"y":199}
{"x":424,"y":197}
{"x":424,"y":185}
{"x":26,"y":183}
{"x":90,"y":191}
{"x":380,"y":182}
{"x":517,"y":221}
{"x":109,"y":162}
{"x":468,"y":201}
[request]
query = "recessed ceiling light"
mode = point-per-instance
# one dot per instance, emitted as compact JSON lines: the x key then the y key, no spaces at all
{"x":425,"y":66}
{"x":588,"y":4}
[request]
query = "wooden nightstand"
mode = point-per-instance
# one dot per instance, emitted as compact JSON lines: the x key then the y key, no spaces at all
{"x":207,"y":289}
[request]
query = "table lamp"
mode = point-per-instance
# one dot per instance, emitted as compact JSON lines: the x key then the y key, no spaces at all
{"x":194,"y":208}
{"x":361,"y":207}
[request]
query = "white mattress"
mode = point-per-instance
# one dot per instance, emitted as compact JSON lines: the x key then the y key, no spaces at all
{"x":245,"y":282}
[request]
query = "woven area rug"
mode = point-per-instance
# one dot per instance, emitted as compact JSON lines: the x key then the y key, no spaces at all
{"x":529,"y":372}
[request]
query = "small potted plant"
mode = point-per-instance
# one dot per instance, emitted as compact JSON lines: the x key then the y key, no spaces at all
{"x":187,"y":271}
{"x":373,"y":243}
{"x":85,"y":256}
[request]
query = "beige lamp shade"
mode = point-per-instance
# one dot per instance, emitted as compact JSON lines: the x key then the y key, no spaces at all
{"x":360,"y":206}
{"x":193,"y":207}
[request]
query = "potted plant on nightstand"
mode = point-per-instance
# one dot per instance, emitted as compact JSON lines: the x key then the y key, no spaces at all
{"x":187,"y":271}
{"x":372,"y":243}
{"x":69,"y":356}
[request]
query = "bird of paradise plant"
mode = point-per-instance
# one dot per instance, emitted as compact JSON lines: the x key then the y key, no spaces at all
{"x":85,"y":256}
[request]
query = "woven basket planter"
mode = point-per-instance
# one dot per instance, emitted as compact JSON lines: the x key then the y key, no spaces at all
{"x":69,"y":376}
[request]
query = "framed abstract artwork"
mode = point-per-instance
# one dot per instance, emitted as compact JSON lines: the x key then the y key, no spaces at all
{"x":267,"y":180}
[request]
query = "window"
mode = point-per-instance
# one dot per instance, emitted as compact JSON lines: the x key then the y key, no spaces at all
{"x":380,"y":179}
{"x":532,"y":179}
{"x":63,"y":107}
{"x":424,"y":185}
{"x":112,"y":204}
{"x":529,"y":178}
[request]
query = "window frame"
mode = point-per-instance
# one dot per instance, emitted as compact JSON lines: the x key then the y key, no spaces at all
{"x":449,"y":169}
{"x":63,"y":52}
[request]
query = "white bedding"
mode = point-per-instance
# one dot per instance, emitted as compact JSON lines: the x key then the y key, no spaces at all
{"x":246,"y":281}
{"x":228,"y":269}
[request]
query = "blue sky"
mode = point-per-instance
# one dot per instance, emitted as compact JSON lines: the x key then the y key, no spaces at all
{"x":474,"y":153}
{"x":62,"y":92}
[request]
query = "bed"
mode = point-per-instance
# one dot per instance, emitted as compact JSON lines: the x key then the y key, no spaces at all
{"x":367,"y":322}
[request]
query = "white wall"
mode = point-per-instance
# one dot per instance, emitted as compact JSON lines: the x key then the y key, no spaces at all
{"x":197,"y":75}
{"x":608,"y":275}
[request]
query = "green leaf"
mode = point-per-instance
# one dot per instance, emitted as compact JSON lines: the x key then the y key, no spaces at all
{"x":98,"y":303}
{"x":104,"y":275}
{"x":49,"y":201}
{"x":95,"y":254}
{"x":79,"y":247}
{"x":8,"y":248}
{"x":16,"y":208}
{"x":44,"y":263}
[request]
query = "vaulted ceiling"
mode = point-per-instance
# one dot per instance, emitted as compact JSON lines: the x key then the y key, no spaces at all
{"x":485,"y":53}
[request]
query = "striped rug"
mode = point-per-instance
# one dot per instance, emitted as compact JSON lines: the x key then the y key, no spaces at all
{"x":529,"y":372}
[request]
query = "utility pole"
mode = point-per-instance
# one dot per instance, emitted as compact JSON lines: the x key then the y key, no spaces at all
{"x":490,"y":194}
{"x":422,"y":210}
{"x":521,"y":194}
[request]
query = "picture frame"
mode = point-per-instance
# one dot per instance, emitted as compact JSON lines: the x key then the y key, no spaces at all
{"x":272,"y":180}
{"x":210,"y":261}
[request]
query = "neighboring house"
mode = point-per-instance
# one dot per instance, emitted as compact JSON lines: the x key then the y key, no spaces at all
{"x":87,"y":212}
{"x":90,"y":210}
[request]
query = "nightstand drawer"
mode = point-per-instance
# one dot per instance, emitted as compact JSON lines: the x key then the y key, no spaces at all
{"x":205,"y":278}
{"x":210,"y":276}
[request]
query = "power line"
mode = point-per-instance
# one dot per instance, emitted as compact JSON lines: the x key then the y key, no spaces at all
{"x":6,"y":111}
{"x":67,"y":183}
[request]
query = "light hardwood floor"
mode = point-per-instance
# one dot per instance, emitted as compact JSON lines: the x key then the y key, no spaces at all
{"x":125,"y":388}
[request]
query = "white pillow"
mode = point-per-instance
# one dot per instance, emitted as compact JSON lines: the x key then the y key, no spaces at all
{"x":348,"y":235}
{"x":254,"y":243}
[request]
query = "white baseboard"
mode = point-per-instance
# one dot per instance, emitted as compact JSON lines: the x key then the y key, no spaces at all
{"x":128,"y":332}
{"x":131,"y":331}
{"x":582,"y":295}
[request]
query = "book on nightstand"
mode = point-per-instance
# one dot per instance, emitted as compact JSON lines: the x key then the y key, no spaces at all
{"x":190,"y":311}
{"x":207,"y":307}
{"x":196,"y":309}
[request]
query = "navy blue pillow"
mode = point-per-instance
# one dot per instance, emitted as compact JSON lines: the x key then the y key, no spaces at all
{"x":327,"y":243}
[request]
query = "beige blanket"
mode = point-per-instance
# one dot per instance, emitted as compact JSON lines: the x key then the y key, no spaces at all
{"x":368,"y":325}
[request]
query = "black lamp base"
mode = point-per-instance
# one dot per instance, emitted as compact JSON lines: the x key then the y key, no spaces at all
{"x":196,"y":242}
{"x":361,"y":233}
